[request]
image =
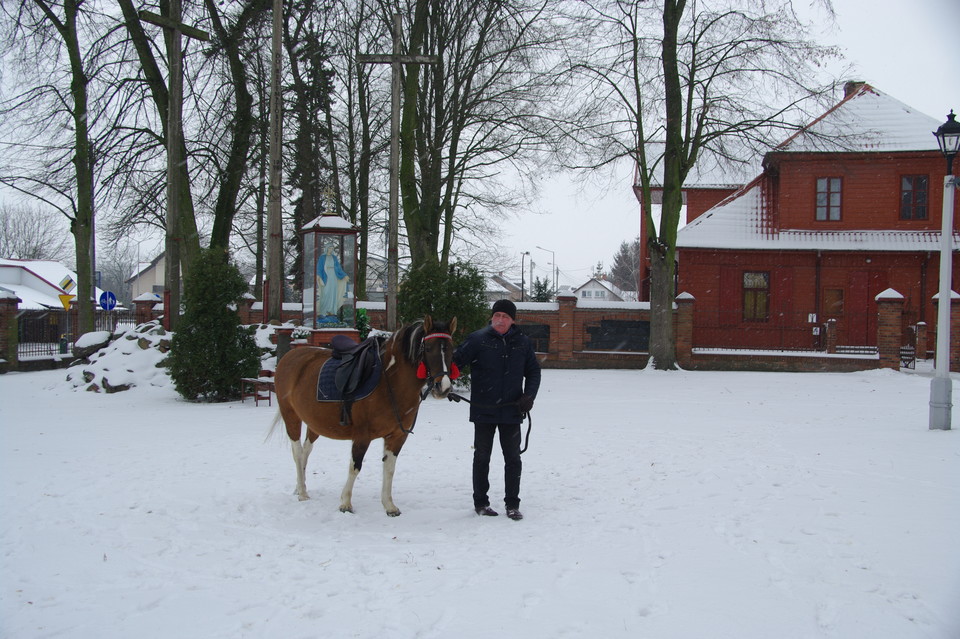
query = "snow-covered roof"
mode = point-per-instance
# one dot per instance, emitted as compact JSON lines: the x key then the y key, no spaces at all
{"x":866,"y":120}
{"x":38,"y":282}
{"x":738,"y":223}
{"x":609,"y":286}
{"x":329,"y":222}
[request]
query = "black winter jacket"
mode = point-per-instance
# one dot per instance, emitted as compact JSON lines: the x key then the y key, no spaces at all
{"x":502,"y":368}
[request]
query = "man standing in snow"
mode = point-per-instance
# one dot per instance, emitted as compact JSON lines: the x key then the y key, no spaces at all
{"x":504,"y":380}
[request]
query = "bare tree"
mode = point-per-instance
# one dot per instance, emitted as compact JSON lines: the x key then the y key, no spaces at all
{"x":63,"y":175}
{"x":477,"y":114}
{"x":359,"y":127}
{"x":139,"y":170}
{"x":668,"y":87}
{"x":625,"y":270}
{"x":29,"y":233}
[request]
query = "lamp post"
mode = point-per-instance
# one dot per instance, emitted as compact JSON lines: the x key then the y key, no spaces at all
{"x":553,"y":262}
{"x":523,"y":256}
{"x":941,"y":387}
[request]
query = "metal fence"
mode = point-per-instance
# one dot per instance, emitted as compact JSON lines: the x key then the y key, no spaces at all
{"x":51,"y":333}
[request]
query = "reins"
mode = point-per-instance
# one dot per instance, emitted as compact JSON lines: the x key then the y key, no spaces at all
{"x":454,"y":397}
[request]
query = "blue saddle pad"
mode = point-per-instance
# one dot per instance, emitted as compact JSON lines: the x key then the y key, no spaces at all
{"x":326,"y":383}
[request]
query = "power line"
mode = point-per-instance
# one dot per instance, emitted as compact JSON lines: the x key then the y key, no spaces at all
{"x":32,"y":146}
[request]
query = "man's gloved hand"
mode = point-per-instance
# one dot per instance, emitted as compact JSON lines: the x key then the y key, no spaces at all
{"x":525,"y":403}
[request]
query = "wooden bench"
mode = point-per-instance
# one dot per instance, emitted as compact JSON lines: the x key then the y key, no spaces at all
{"x":908,"y":357}
{"x":259,"y":388}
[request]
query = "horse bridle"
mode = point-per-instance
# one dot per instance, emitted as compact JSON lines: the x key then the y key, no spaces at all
{"x":423,"y":370}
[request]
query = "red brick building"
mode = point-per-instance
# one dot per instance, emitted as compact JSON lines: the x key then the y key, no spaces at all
{"x":843,"y":210}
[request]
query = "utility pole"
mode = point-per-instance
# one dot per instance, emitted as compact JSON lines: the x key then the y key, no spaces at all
{"x":174,"y":28}
{"x":393,"y":252}
{"x":273,"y":290}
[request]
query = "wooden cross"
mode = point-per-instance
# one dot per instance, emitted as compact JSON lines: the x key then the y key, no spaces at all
{"x":393,"y":255}
{"x":171,"y":275}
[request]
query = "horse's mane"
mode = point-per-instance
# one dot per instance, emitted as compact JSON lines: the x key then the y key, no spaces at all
{"x":411,"y":338}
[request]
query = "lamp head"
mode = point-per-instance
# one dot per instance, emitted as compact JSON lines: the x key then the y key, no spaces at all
{"x":948,"y":137}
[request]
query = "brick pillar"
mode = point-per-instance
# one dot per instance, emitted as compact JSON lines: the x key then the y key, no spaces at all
{"x":889,"y":328}
{"x":243,"y":309}
{"x":684,"y":332}
{"x":568,"y":305}
{"x":921,"y":340}
{"x":143,"y":307}
{"x":9,"y":338}
{"x":831,"y":338}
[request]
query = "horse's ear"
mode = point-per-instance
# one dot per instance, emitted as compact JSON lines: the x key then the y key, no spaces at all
{"x":427,"y":324}
{"x":453,"y":325}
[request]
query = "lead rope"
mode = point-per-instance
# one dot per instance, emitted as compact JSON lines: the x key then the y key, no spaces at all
{"x":454,"y":397}
{"x":396,"y":409}
{"x":393,"y":404}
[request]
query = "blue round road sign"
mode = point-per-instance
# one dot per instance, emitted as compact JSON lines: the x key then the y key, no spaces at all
{"x":108,"y":301}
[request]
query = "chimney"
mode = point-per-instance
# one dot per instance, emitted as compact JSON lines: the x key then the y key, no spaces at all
{"x":851,"y":87}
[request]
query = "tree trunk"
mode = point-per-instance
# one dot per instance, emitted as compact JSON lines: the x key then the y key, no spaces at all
{"x":662,"y":347}
{"x":422,"y":235}
{"x":662,"y":293}
{"x":83,"y":161}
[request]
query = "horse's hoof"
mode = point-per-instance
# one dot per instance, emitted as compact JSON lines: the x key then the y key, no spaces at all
{"x":303,"y":497}
{"x":346,"y":509}
{"x":393,"y":513}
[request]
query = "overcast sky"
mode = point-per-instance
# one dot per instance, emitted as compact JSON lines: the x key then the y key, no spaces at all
{"x":910,"y":52}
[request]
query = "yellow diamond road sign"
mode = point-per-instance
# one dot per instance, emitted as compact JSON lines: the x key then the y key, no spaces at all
{"x":67,"y":283}
{"x":65,"y":300}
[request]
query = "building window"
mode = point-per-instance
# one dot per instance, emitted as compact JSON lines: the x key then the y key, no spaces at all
{"x":828,"y":199}
{"x":585,"y":293}
{"x":833,"y":302}
{"x":913,"y":197}
{"x":601,"y":294}
{"x":756,"y":296}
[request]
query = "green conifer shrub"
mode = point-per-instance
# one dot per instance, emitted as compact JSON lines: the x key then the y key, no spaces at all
{"x":210,"y":350}
{"x":457,"y":291}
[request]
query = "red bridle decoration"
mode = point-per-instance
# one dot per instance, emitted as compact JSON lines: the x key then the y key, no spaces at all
{"x":422,"y":368}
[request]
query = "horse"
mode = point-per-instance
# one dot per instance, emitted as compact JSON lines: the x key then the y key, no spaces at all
{"x":417,"y":359}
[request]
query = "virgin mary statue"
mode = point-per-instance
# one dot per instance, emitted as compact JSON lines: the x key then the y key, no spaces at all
{"x":331,"y":285}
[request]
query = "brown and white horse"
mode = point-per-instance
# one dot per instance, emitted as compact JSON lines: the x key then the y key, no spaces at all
{"x":389,"y":412}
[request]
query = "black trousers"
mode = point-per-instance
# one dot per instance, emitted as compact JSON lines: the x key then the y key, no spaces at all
{"x":512,"y":466}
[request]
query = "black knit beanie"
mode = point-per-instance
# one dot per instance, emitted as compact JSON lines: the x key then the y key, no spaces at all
{"x":505,"y":306}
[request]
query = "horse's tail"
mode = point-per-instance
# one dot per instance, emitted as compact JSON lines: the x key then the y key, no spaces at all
{"x":278,"y":419}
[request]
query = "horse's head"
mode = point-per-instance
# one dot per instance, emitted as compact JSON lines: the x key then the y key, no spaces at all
{"x":436,"y":357}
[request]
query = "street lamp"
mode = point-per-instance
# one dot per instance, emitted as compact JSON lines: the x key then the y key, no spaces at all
{"x":941,"y":387}
{"x":523,"y":256}
{"x":553,"y":261}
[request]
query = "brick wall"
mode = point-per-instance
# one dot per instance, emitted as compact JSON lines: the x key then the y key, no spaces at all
{"x":870,"y":191}
{"x":570,"y":321}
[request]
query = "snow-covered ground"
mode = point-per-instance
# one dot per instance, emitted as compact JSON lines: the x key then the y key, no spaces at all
{"x":658,"y":505}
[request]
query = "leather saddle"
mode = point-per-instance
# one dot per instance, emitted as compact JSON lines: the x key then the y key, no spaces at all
{"x":351,"y":373}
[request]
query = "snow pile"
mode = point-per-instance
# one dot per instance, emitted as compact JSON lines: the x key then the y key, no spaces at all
{"x":134,"y":356}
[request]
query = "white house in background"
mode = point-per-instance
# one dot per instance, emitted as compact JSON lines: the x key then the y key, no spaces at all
{"x":594,"y":290}
{"x":500,"y":288}
{"x":148,"y":278}
{"x":39,"y":283}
